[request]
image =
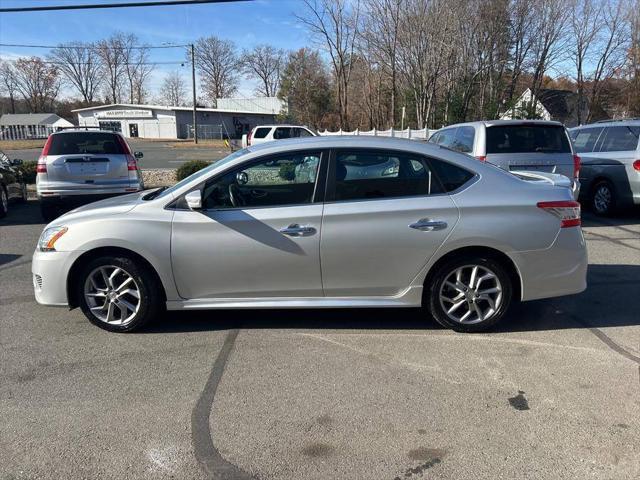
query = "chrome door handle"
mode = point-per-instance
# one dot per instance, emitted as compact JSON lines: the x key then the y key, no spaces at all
{"x":426,"y":225}
{"x":295,"y":230}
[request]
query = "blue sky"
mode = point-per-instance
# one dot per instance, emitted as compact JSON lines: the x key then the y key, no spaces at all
{"x":246,"y":23}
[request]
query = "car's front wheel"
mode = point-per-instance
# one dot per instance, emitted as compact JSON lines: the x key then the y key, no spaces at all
{"x":469,"y":294}
{"x":118,"y":294}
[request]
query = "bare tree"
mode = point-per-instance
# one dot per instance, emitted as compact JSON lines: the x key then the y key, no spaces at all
{"x":9,"y":83}
{"x":80,"y":67}
{"x":218,"y":64}
{"x":37,"y":82}
{"x":137,"y":68}
{"x":112,"y":54}
{"x":380,"y":35}
{"x":335,"y":24}
{"x":264,"y":63}
{"x":173,"y":90}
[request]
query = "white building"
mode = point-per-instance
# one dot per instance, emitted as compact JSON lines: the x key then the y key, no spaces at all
{"x":20,"y":126}
{"x":161,"y":121}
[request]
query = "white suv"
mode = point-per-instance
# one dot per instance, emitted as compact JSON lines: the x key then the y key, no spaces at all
{"x":268,"y":133}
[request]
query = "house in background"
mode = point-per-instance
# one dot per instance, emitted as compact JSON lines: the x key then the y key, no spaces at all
{"x":22,"y":126}
{"x":559,"y":105}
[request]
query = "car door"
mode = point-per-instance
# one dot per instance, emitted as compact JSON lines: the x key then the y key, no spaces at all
{"x":386,"y":214}
{"x":617,"y":151}
{"x":258,"y":233}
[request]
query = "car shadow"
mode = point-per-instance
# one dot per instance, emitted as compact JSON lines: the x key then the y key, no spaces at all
{"x":611,"y":300}
{"x":622,"y":218}
{"x":23,"y":214}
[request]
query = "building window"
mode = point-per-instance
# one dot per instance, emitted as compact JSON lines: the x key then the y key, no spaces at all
{"x":111,"y":126}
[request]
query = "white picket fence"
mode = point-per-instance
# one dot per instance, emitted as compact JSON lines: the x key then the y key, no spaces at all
{"x":409,"y":133}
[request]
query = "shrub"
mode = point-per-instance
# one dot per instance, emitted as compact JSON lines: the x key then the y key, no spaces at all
{"x":188,"y":168}
{"x":28,"y":170}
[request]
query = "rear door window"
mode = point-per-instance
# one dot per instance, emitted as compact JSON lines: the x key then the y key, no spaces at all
{"x":302,"y":132}
{"x":584,"y":140}
{"x":464,"y":139}
{"x":261,"y":132}
{"x":527,"y":139}
{"x":620,"y":139}
{"x":282,"y":133}
{"x":446,"y":137}
{"x":451,"y":176}
{"x":86,"y":143}
{"x":370,"y":174}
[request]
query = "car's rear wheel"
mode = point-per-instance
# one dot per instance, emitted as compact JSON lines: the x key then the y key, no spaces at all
{"x":603,"y":198}
{"x":118,"y":294}
{"x":470,"y":294}
{"x":4,"y":202}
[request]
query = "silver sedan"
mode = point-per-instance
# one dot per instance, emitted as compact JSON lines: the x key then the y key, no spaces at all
{"x":321,"y":222}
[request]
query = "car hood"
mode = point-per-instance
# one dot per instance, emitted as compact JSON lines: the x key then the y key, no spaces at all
{"x":109,"y":206}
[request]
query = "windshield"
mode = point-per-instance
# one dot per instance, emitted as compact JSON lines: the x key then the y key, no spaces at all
{"x":204,"y":172}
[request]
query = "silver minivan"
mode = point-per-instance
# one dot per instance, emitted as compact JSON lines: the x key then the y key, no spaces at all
{"x":610,"y":173}
{"x":79,"y":166}
{"x":515,"y":145}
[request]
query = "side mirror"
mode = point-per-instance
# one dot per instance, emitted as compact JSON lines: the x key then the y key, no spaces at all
{"x":194,"y":200}
{"x":16,"y":162}
{"x":138,"y":155}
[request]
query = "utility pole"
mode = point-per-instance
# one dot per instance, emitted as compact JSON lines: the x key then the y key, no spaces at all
{"x":193,"y":86}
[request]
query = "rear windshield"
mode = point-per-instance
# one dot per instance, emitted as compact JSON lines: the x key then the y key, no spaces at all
{"x":85,"y":142}
{"x":527,"y":139}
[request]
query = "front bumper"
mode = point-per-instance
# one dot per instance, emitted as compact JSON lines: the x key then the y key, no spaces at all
{"x":50,"y":271}
{"x":556,"y":271}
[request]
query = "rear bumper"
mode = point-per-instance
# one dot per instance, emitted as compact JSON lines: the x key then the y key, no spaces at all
{"x":84,"y":195}
{"x":556,"y":271}
{"x":50,"y":271}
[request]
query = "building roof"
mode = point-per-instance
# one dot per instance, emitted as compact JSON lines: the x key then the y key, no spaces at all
{"x":167,"y":107}
{"x":29,"y":119}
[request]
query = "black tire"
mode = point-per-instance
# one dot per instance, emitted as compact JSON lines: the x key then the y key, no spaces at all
{"x":149,"y":288}
{"x":448,"y":268}
{"x":603,"y":199}
{"x":49,"y":211}
{"x":24,"y":194}
{"x":4,"y":202}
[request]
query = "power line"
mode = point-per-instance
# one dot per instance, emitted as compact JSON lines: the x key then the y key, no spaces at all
{"x":154,"y":3}
{"x":91,"y":47}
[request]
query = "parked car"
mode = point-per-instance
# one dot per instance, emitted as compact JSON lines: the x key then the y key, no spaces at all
{"x":460,"y":237}
{"x":80,"y":166}
{"x":12,"y":183}
{"x":535,"y":145}
{"x":610,"y":173}
{"x":268,"y":133}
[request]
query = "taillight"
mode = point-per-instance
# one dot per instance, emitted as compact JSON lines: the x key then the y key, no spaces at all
{"x":132,"y":164}
{"x":41,"y":166}
{"x":576,"y":166}
{"x":636,"y":165}
{"x":567,"y":211}
{"x":482,"y":158}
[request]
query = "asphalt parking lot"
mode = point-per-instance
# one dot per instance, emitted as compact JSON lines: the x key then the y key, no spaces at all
{"x":357,"y":394}
{"x":157,"y":154}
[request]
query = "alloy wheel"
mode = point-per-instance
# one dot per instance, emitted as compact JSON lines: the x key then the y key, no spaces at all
{"x":471,"y":294}
{"x":112,"y":295}
{"x":602,"y":198}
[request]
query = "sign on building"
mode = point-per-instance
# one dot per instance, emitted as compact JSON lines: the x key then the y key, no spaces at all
{"x":131,"y":113}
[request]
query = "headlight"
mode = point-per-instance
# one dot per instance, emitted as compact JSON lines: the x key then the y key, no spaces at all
{"x":49,"y":238}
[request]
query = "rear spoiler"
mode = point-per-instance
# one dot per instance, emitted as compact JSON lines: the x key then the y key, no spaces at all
{"x":551,"y":178}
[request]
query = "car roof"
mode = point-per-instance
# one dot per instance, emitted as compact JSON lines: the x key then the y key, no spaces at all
{"x":631,"y":122}
{"x":83,"y":130}
{"x":286,"y":125}
{"x":492,"y":123}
